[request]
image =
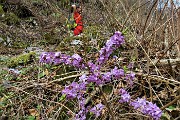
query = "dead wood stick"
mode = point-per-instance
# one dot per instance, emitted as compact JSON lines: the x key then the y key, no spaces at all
{"x":170,"y":103}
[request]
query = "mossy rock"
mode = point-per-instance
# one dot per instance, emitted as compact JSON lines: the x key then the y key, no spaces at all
{"x":23,"y":59}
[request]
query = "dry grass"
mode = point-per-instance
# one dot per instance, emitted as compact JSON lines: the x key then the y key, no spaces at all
{"x":152,"y":44}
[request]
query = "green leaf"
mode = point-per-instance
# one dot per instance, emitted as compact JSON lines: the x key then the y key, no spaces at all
{"x":107,"y":89}
{"x":31,"y":117}
{"x":42,"y":74}
{"x":170,"y":108}
{"x":125,"y":69}
{"x":165,"y":116}
{"x":125,"y":31}
{"x":62,"y":97}
{"x":92,"y":85}
{"x":38,"y":107}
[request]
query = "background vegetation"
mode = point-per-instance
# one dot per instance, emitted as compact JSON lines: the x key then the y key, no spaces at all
{"x":32,"y":91}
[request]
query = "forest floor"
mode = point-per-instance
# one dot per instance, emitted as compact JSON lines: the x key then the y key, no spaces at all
{"x":32,"y":91}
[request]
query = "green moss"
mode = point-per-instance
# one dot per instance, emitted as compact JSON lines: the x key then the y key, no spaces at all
{"x":92,"y":31}
{"x":51,"y":37}
{"x":11,"y":18}
{"x":1,"y":10}
{"x":21,"y":59}
{"x":19,"y":44}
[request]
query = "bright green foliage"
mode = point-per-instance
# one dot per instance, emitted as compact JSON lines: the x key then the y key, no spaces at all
{"x":62,"y":97}
{"x":31,"y":117}
{"x":21,"y":59}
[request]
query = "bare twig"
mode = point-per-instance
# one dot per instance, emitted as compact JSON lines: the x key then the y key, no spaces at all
{"x":18,"y":89}
{"x":170,"y":103}
{"x":107,"y":105}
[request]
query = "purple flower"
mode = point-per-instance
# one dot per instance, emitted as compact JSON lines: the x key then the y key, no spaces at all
{"x":115,"y":41}
{"x":70,"y":94}
{"x":46,"y":57}
{"x":117,"y":73}
{"x":105,"y":52}
{"x":42,"y":57}
{"x":70,"y":91}
{"x":130,"y":65}
{"x":130,"y":77}
{"x":152,"y":110}
{"x":97,"y":109}
{"x":147,"y":108}
{"x":76,"y":60}
{"x":94,"y":78}
{"x":77,"y":57}
{"x":57,"y":54}
{"x":125,"y":98}
{"x":82,"y":86}
{"x":109,"y":43}
{"x":138,"y":103}
{"x":135,"y":104}
{"x":76,"y":63}
{"x":81,"y":115}
{"x":122,"y":91}
{"x":115,"y":57}
{"x":74,"y":89}
{"x":93,"y":68}
{"x":83,"y":78}
{"x":67,"y":60}
{"x":58,"y":58}
{"x":106,"y":77}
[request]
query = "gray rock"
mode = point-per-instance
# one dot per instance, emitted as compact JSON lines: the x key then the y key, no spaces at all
{"x":76,"y":42}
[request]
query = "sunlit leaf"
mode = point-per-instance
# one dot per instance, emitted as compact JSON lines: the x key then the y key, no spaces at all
{"x":31,"y":117}
{"x":170,"y":108}
{"x":62,"y":97}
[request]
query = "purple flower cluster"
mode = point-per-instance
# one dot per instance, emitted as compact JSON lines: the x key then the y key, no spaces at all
{"x":125,"y":97}
{"x":115,"y":41}
{"x":117,"y":73}
{"x":93,"y":67}
{"x":130,"y":77}
{"x":97,"y":109}
{"x":74,"y":89}
{"x":146,"y":107}
{"x":81,"y":115}
{"x":58,"y":58}
{"x":78,"y":89}
{"x":101,"y":78}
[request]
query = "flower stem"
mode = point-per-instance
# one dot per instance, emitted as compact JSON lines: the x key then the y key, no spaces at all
{"x":106,"y":103}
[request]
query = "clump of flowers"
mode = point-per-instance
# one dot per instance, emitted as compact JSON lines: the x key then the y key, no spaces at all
{"x":74,"y":89}
{"x":145,"y":107}
{"x":125,"y":97}
{"x":78,"y":89}
{"x":57,"y":58}
{"x":81,"y":115}
{"x":114,"y":42}
{"x":97,"y":109}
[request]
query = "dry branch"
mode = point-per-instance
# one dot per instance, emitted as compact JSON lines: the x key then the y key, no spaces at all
{"x":165,"y":62}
